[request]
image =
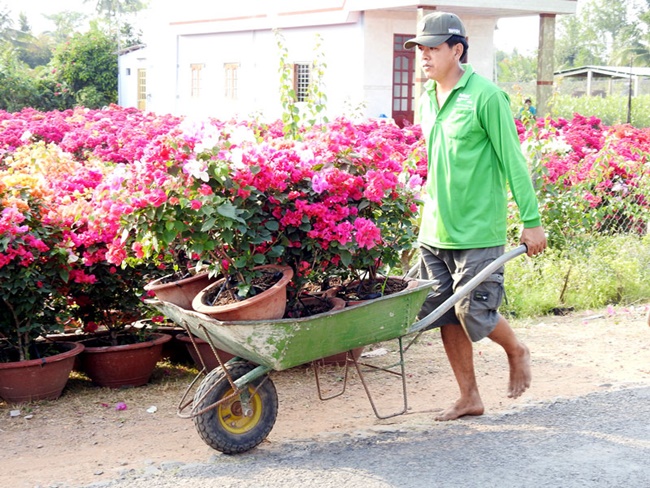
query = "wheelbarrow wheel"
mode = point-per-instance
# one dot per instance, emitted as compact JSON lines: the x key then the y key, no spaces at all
{"x":226,"y":427}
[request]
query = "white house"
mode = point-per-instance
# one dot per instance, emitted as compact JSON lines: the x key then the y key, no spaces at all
{"x":222,"y":59}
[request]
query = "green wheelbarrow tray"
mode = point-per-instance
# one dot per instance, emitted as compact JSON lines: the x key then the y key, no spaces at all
{"x":284,"y":343}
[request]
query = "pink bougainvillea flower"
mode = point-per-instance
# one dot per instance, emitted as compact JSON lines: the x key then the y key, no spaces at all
{"x":205,"y":190}
{"x":319,"y":183}
{"x":367,"y":234}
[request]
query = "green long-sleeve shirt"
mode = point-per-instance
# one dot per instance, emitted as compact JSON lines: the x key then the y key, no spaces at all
{"x":473,"y":150}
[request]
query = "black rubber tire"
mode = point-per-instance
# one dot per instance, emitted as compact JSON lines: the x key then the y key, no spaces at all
{"x":241,"y":433}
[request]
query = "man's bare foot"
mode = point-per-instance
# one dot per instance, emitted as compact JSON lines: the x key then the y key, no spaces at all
{"x":462,"y":407}
{"x":520,"y":375}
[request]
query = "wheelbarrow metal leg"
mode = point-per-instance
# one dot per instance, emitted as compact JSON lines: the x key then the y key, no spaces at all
{"x":316,"y":367}
{"x":402,"y":374}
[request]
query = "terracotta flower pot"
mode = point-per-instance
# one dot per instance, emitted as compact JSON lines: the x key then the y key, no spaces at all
{"x":126,"y":365}
{"x":173,"y":351}
{"x":180,"y":292}
{"x":268,"y":305}
{"x":38,"y":379}
{"x":205,"y":352}
{"x":73,"y":337}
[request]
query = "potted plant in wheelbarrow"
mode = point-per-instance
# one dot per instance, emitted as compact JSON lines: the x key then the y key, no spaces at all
{"x":335,"y":209}
{"x":198,"y":207}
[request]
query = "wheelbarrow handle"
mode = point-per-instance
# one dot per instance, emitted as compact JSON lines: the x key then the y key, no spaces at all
{"x":466,"y":288}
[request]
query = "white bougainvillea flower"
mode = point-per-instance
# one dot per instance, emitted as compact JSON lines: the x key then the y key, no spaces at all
{"x":196,"y":169}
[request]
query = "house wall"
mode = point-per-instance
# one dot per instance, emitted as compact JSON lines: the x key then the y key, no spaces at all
{"x":129,"y":64}
{"x":258,"y":57}
{"x":480,"y":37}
{"x":379,"y":29}
{"x":358,"y":51}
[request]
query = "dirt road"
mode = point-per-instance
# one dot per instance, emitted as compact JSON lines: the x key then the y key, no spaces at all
{"x":81,"y":439}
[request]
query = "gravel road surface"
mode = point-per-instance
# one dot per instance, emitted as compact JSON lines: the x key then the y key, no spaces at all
{"x":598,"y":440}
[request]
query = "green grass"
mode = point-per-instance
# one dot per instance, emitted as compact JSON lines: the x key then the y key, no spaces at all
{"x":612,"y":270}
{"x":610,"y":110}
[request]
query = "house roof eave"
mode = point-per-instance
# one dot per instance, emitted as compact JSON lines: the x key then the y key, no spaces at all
{"x":265,"y":15}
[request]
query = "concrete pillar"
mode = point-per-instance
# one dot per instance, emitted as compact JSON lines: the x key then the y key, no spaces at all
{"x":545,"y":63}
{"x":419,"y":79}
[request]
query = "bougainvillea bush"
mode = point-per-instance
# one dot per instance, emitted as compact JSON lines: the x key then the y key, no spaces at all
{"x":592,"y":182}
{"x":94,"y":194}
{"x":53,"y":240}
{"x":341,"y":199}
{"x":89,"y":194}
{"x":43,"y":239}
{"x":590,"y":179}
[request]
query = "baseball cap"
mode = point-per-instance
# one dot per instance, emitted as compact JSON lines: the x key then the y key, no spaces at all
{"x":436,"y":28}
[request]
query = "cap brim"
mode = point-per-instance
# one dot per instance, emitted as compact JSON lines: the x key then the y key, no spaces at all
{"x":429,"y":41}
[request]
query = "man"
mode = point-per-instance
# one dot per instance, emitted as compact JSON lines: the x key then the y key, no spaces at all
{"x":473,"y":150}
{"x":528,"y":109}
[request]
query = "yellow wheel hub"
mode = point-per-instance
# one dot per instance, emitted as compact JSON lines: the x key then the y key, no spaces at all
{"x":231,"y":415}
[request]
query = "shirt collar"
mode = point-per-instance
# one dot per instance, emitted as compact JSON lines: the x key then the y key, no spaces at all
{"x":430,"y":85}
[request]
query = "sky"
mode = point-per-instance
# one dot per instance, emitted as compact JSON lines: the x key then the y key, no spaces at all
{"x":517,"y":32}
{"x":36,"y":8}
{"x":520,"y":32}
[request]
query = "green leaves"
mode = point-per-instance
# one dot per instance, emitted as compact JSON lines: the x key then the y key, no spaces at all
{"x":209,"y":224}
{"x":346,"y":257}
{"x":272,"y":225}
{"x":172,"y":229}
{"x":276,"y":251}
{"x":228,"y":210}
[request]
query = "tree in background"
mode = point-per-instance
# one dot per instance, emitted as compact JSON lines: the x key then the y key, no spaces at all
{"x":26,"y":47}
{"x":65,"y":23}
{"x":114,"y":9}
{"x":577,"y":44}
{"x":87,"y":65}
{"x":632,"y":46}
{"x":515,"y":67}
{"x":5,"y":17}
{"x":59,"y":69}
{"x":115,"y":14}
{"x":605,"y":32}
{"x":16,"y":86}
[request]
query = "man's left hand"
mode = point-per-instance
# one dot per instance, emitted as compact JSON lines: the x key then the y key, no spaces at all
{"x":535,"y":240}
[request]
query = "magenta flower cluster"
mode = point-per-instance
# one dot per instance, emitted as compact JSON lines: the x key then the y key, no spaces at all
{"x":589,"y":177}
{"x":239,"y":194}
{"x":84,"y":190}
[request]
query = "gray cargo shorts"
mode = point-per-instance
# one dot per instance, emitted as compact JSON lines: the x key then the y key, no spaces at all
{"x":450,"y":269}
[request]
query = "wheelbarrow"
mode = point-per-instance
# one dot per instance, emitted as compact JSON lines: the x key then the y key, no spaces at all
{"x":235,"y":406}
